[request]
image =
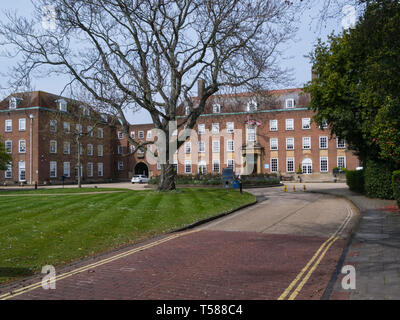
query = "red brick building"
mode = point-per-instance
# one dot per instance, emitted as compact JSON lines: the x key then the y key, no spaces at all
{"x":40,"y":132}
{"x":269,"y":133}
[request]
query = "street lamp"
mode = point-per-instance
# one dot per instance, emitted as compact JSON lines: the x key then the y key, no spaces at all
{"x":31,"y":117}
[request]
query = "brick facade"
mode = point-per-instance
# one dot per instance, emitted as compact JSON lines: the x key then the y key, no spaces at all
{"x":313,"y":150}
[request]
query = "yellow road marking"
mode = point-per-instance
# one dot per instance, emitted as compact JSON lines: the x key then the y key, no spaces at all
{"x":327,"y":244}
{"x":93,"y":265}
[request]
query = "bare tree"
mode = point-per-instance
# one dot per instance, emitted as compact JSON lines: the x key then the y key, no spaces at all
{"x":151,"y":53}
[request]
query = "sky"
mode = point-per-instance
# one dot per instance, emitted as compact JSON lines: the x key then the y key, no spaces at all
{"x":295,"y":52}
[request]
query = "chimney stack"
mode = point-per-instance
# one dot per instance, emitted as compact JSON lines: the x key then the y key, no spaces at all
{"x":200,"y":87}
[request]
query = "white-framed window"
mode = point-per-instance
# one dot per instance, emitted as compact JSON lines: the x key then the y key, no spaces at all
{"x":132,"y":149}
{"x":230,"y":127}
{"x":306,"y":123}
{"x":8,"y":146}
{"x":323,"y":164}
{"x":251,"y":134}
{"x":53,"y":125}
{"x":289,"y":103}
{"x":120,"y":149}
{"x":100,"y":150}
{"x":188,"y":147}
{"x":289,"y":165}
{"x":231,"y":164}
{"x":202,"y":167}
{"x":201,"y":128}
{"x":215,"y":147}
{"x":158,"y":166}
{"x":175,"y":164}
{"x":22,"y":171}
{"x":273,"y":143}
{"x":273,"y":125}
{"x":90,"y":169}
{"x":62,"y":105}
{"x":100,"y":133}
{"x":90,"y":131}
{"x":104,"y":117}
{"x":86,"y":111}
{"x":53,"y":169}
{"x":78,"y":128}
{"x":141,"y":151}
{"x":141,"y":134}
{"x":216,"y":166}
{"x":120,"y":165}
{"x":8,"y":126}
{"x":90,"y":150}
{"x":202,"y":147}
{"x":306,"y":143}
{"x":67,"y":169}
{"x":215,"y":128}
{"x":274,"y":165}
{"x":341,"y":162}
{"x":22,"y":124}
{"x":230,"y":146}
{"x":289,"y":124}
{"x":80,"y":149}
{"x":324,"y":124}
{"x":22,"y":146}
{"x":67,"y":147}
{"x":289,"y":143}
{"x":13,"y":103}
{"x":323,"y":142}
{"x":187,"y":110}
{"x":100,"y":168}
{"x":306,"y":166}
{"x":252,"y":106}
{"x":120,"y":135}
{"x":188,"y":166}
{"x":216,"y":108}
{"x":133,"y":134}
{"x":67,"y":127}
{"x":53,"y":146}
{"x":8,"y":172}
{"x":148,"y":134}
{"x":340,"y":143}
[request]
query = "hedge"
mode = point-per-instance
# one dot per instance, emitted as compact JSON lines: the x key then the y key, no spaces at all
{"x":378,"y":180}
{"x":396,"y":186}
{"x":355,"y":180}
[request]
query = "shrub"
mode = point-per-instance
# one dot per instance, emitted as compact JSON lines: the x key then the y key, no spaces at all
{"x":355,"y":180}
{"x":396,"y":186}
{"x":378,"y":180}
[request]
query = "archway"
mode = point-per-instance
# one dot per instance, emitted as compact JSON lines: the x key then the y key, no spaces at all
{"x":142,"y":168}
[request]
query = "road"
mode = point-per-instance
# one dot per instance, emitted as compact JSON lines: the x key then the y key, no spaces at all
{"x":285,"y":247}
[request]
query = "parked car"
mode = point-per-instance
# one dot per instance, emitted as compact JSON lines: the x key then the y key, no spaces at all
{"x":139,"y":178}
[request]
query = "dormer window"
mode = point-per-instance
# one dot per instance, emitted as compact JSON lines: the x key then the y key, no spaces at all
{"x":289,"y":104}
{"x":86,"y":111}
{"x":216,"y":108}
{"x":104,"y":117}
{"x":62,"y":105}
{"x":252,"y":106}
{"x":14,"y":102}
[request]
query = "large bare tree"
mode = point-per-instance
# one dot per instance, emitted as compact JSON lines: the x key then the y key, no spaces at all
{"x":151,"y":53}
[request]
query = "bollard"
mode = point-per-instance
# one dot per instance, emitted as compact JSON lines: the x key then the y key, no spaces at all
{"x":294,"y":188}
{"x":285,"y":188}
{"x":304,"y":188}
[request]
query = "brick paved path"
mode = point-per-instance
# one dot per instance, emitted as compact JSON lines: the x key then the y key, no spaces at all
{"x":254,"y":254}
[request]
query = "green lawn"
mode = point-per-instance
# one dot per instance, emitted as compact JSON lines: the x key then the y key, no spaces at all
{"x":56,"y":229}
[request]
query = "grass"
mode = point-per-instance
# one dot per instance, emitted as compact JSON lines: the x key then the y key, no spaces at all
{"x":58,"y":229}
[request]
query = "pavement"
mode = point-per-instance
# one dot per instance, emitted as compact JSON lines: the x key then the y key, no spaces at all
{"x":373,"y":250}
{"x":288,"y":246}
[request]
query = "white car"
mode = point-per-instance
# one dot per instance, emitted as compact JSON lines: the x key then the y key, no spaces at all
{"x":139,"y":178}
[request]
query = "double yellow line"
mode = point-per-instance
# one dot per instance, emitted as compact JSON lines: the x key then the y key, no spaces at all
{"x":37,"y":285}
{"x":310,"y":267}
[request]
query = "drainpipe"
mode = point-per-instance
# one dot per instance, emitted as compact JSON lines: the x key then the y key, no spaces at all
{"x":31,"y":116}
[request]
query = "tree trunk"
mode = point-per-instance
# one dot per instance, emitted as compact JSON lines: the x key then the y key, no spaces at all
{"x":167,"y":178}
